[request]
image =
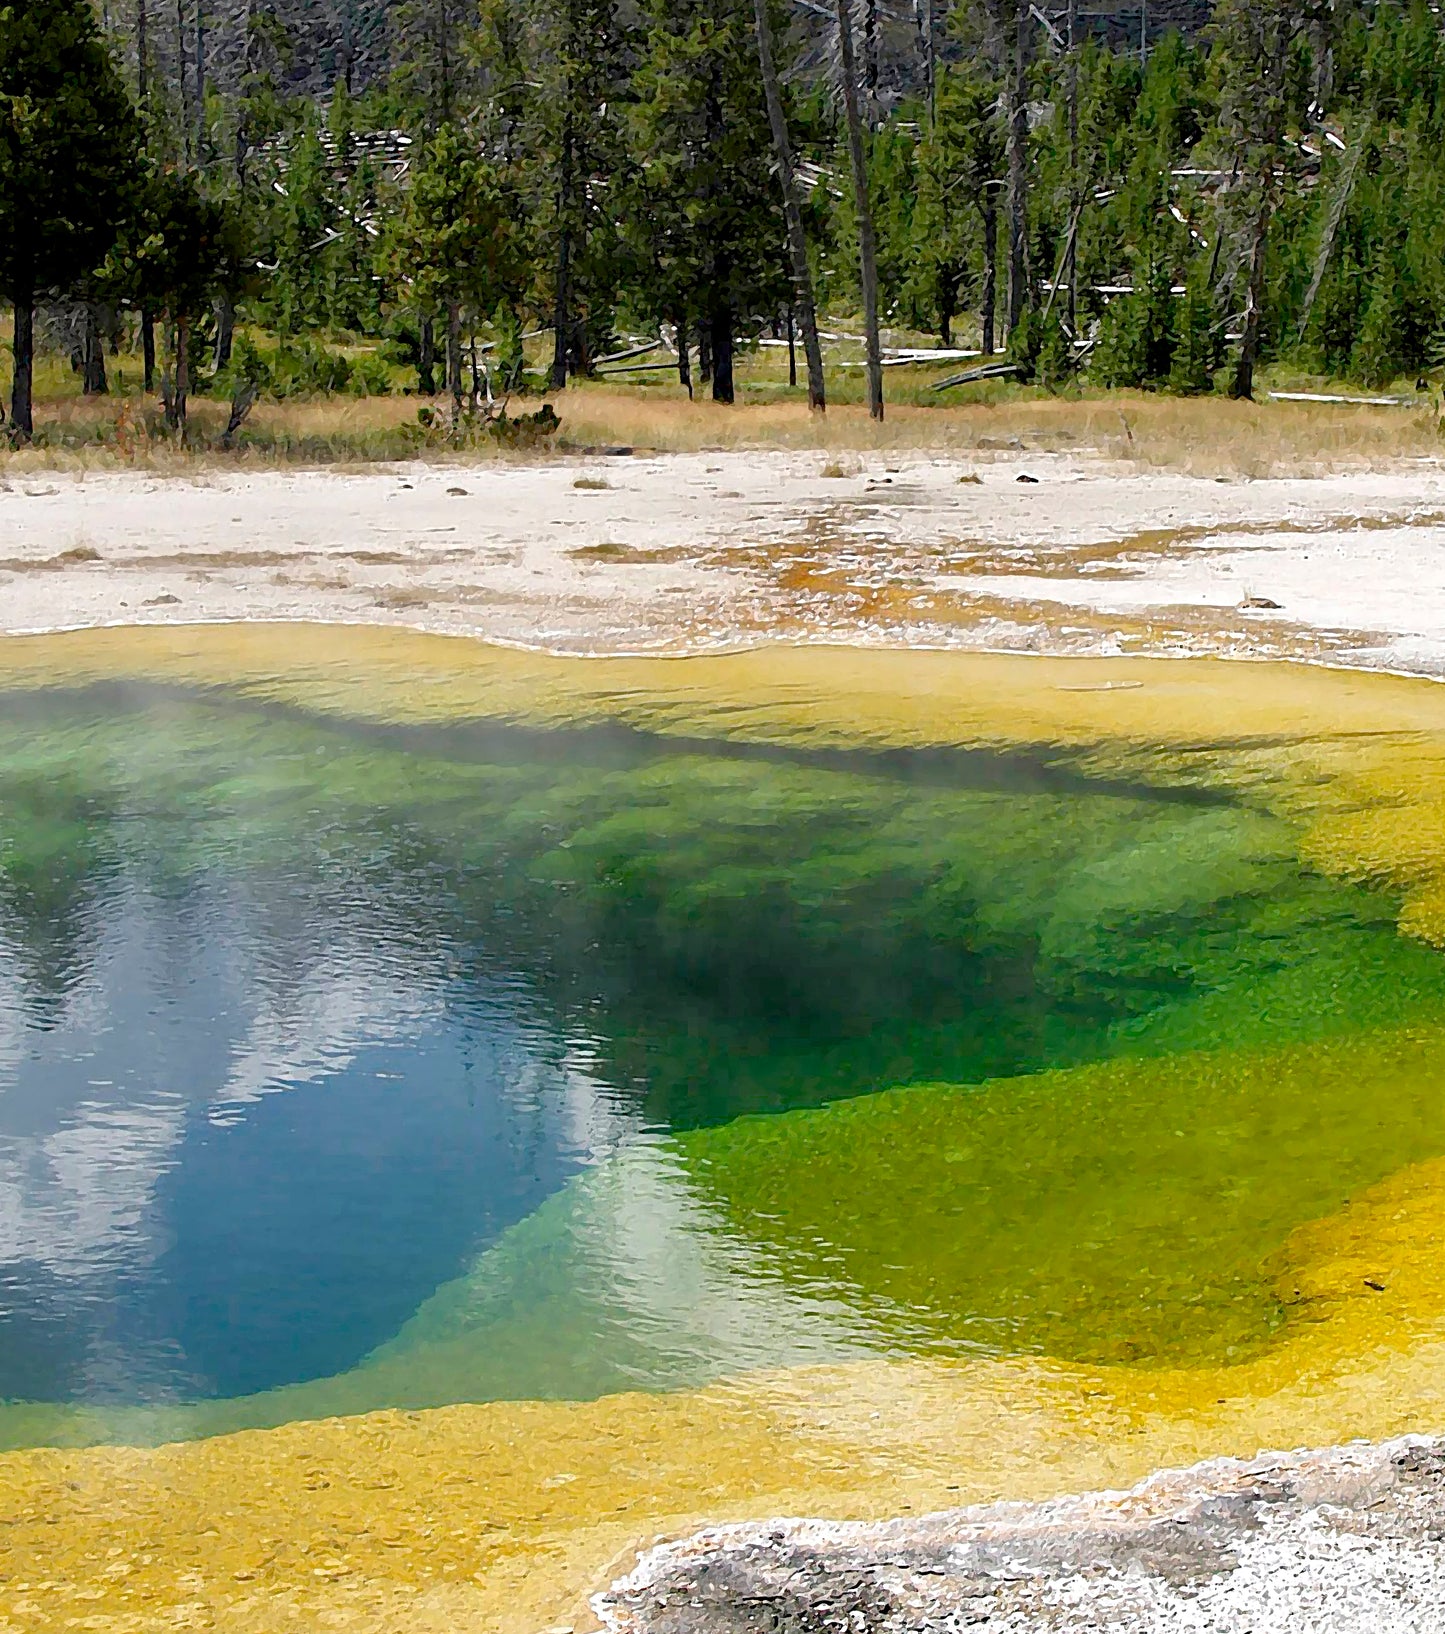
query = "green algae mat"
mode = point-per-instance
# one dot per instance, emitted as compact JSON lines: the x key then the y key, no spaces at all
{"x":394,"y":1022}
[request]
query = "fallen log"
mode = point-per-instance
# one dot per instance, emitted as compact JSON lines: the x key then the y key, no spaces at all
{"x":989,"y":371}
{"x":1340,"y":397}
{"x":636,"y":368}
{"x":631,"y":351}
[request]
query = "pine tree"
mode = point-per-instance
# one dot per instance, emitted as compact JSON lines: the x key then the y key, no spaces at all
{"x":459,"y":241}
{"x":956,"y":222}
{"x":704,"y":191}
{"x":1196,"y":344}
{"x":556,"y":75}
{"x":172,"y":257}
{"x":69,"y":141}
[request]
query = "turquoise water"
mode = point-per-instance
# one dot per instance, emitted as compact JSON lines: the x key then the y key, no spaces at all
{"x":458,"y":1061}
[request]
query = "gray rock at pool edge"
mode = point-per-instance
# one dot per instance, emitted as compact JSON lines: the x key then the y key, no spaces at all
{"x":1350,"y":1540}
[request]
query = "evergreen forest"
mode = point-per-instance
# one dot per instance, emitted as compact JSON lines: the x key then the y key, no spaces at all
{"x":474,"y":201}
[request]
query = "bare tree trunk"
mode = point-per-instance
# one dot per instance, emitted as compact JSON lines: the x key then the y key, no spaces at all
{"x":1321,"y":36}
{"x":867,"y":254}
{"x":175,"y":389}
{"x":562,"y":307}
{"x":704,"y":355}
{"x":1332,"y":226}
{"x":200,"y":81}
{"x":793,"y":213}
{"x":792,"y":349}
{"x":426,"y":357}
{"x":148,"y":350}
{"x":348,"y":47}
{"x":1019,"y":294}
{"x":721,"y":326}
{"x":1071,"y":268}
{"x":476,"y":367}
{"x":1243,"y":383}
{"x":182,"y":78}
{"x":989,"y":295}
{"x":183,"y":370}
{"x":95,"y":383}
{"x":142,"y":57}
{"x":561,"y":314}
{"x":454,"y":354}
{"x":870,"y":56}
{"x":684,"y":362}
{"x":22,"y":422}
{"x":925,"y":22}
{"x":225,"y":329}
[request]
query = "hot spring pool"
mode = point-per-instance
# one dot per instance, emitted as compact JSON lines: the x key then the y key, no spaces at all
{"x":364,"y":1046}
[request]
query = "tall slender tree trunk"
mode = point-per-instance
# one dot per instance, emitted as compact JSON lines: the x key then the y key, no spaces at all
{"x":867,"y":253}
{"x":792,"y":350}
{"x":562,"y":305}
{"x":684,"y":362}
{"x":1322,"y":54}
{"x":721,"y":326}
{"x":454,"y":354}
{"x":182,"y":77}
{"x":988,"y":300}
{"x":176,"y":388}
{"x":426,"y":359}
{"x":704,"y":354}
{"x":200,"y":81}
{"x":1071,"y":266}
{"x":93,"y":353}
{"x":225,"y":329}
{"x":142,"y":56}
{"x":348,"y":48}
{"x":1017,"y":206}
{"x":925,"y":22}
{"x":148,"y":350}
{"x":870,"y":56}
{"x":562,"y":313}
{"x":802,"y":303}
{"x":183,"y":370}
{"x":22,"y":421}
{"x":1338,"y":205}
{"x":1242,"y":384}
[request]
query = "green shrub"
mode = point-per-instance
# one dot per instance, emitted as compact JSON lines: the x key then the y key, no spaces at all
{"x":1137,"y":333}
{"x":1024,"y":342}
{"x":1056,"y":363}
{"x":303,"y":367}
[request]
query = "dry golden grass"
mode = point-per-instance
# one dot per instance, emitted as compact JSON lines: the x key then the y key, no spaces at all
{"x":1202,"y":436}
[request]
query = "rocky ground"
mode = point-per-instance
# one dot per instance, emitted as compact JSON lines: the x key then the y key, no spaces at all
{"x":1351,"y":1540}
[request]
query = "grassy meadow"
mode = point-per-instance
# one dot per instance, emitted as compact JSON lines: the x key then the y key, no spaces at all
{"x":647,"y":409}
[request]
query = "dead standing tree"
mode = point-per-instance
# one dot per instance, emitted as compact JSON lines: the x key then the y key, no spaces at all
{"x":1009,"y":30}
{"x":867,"y":250}
{"x":803,"y":305}
{"x":1255,"y":37}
